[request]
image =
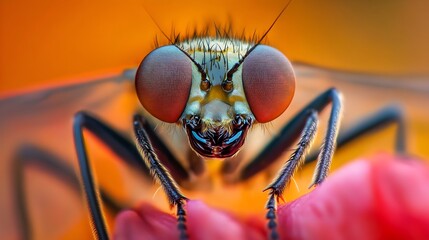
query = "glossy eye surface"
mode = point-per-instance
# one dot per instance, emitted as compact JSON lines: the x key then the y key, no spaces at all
{"x":163,"y":82}
{"x":269,"y":82}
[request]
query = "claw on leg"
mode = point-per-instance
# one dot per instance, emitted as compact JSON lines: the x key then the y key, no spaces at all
{"x":283,"y":178}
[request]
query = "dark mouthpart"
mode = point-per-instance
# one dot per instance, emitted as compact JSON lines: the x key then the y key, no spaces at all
{"x":217,"y":142}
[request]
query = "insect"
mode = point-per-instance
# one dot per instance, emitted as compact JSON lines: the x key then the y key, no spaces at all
{"x":210,"y":137}
{"x":216,"y":89}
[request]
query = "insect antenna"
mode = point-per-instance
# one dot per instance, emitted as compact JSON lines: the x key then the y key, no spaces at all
{"x":176,"y":40}
{"x":235,"y":67}
{"x":274,"y":22}
{"x":157,"y":25}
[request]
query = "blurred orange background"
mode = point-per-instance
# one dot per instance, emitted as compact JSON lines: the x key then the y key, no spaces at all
{"x":44,"y":41}
{"x":45,"y":44}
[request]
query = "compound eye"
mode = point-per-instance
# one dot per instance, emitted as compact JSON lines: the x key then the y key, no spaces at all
{"x":268,"y":81}
{"x":163,"y":82}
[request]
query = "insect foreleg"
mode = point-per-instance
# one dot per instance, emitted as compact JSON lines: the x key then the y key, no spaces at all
{"x":304,"y":122}
{"x":291,"y":132}
{"x":168,"y":159}
{"x":175,"y":197}
{"x":283,"y":178}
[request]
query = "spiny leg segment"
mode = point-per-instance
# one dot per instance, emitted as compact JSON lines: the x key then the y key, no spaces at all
{"x":282,"y":180}
{"x":292,"y":131}
{"x":381,"y":119}
{"x":175,"y":197}
{"x":305,"y":122}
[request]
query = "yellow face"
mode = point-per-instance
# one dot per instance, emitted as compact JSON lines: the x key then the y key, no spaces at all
{"x":208,"y":97}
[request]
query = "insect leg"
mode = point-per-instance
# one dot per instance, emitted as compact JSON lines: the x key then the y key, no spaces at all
{"x":124,"y":148}
{"x":175,"y":197}
{"x":127,"y":151}
{"x":29,"y":155}
{"x":283,"y":178}
{"x":119,"y":145}
{"x":308,"y":132}
{"x":382,"y":118}
{"x":167,"y":158}
{"x":292,"y":130}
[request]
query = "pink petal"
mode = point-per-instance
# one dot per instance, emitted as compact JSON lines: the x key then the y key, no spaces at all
{"x":145,"y":223}
{"x":379,"y":199}
{"x":203,"y":223}
{"x":210,"y":224}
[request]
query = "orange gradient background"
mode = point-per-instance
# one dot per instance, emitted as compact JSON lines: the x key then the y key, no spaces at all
{"x":43,"y":41}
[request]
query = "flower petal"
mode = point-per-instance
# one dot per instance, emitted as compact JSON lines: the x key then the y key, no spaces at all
{"x":145,"y":223}
{"x":203,"y":223}
{"x":381,"y":199}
